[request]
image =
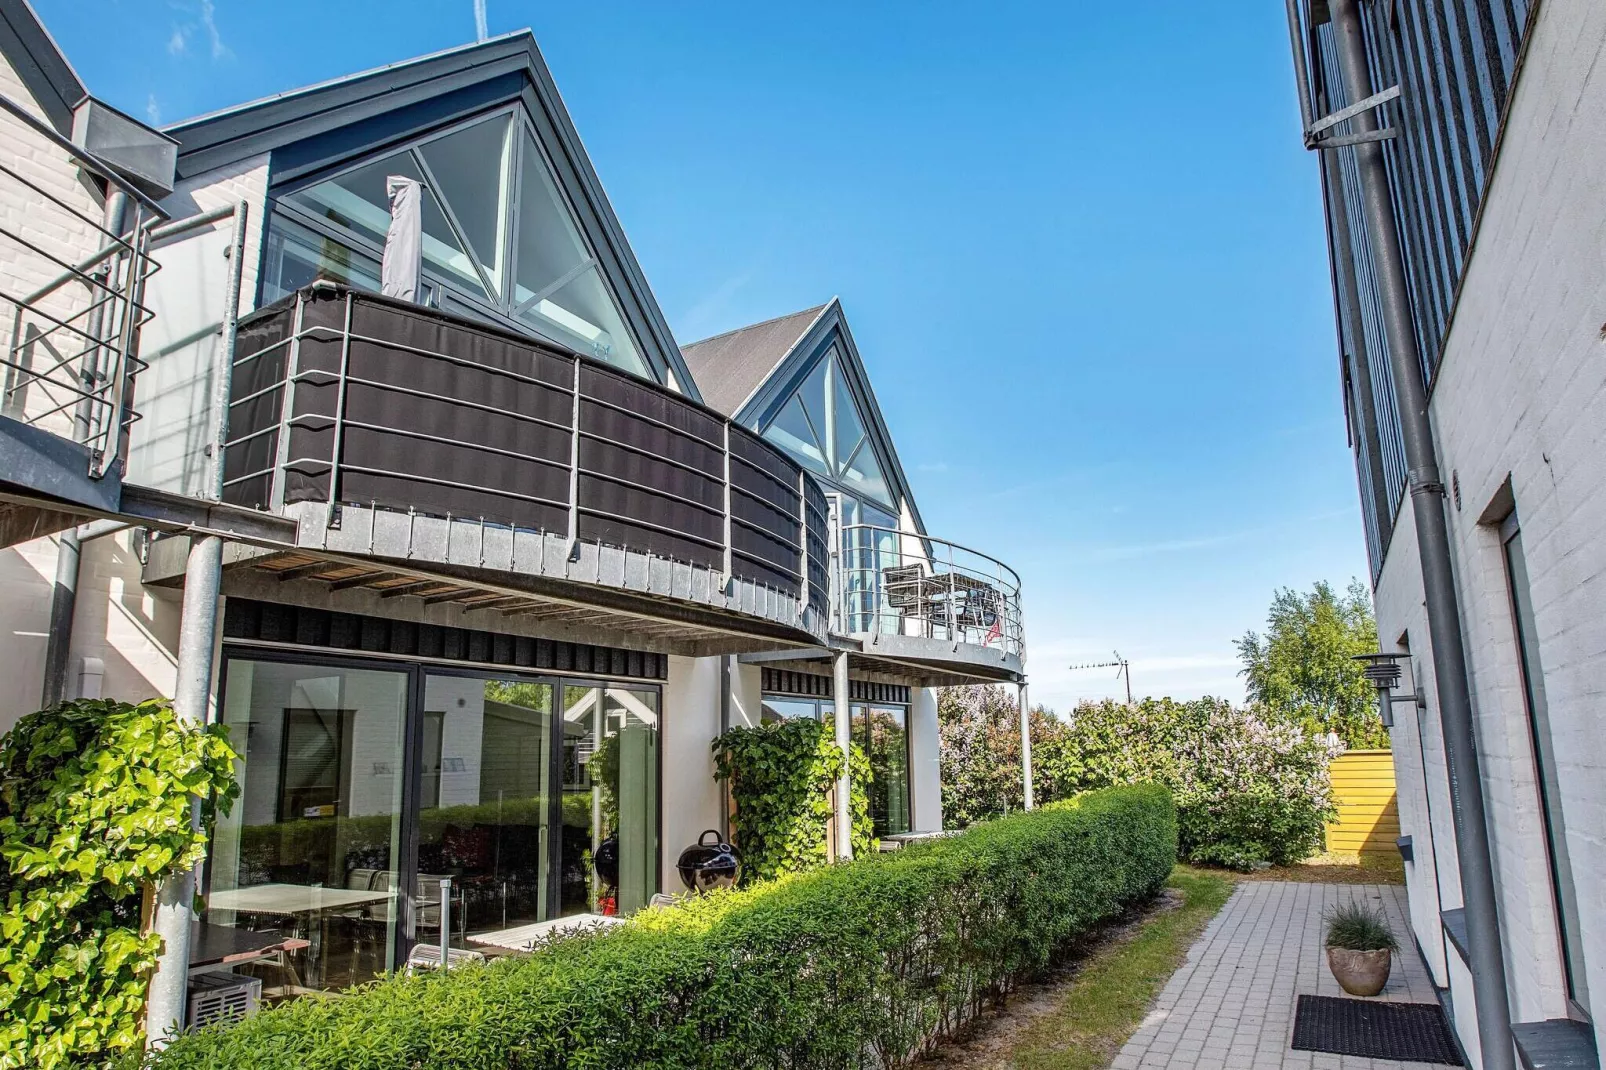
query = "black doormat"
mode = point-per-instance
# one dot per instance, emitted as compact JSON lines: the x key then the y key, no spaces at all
{"x":1373,"y":1029}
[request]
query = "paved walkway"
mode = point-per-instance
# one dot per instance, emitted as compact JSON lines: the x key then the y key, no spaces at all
{"x":1230,"y":1006}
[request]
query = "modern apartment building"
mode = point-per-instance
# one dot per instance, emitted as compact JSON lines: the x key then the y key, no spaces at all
{"x":475,"y":577}
{"x":1462,"y":148}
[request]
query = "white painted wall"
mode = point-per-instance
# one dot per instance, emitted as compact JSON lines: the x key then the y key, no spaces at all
{"x":27,"y":572}
{"x":691,"y":798}
{"x":1521,"y":394}
{"x":925,"y":772}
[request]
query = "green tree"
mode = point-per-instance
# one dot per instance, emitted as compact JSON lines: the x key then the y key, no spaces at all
{"x":1304,"y":665}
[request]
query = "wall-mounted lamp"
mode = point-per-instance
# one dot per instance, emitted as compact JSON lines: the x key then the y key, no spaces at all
{"x":1383,"y":670}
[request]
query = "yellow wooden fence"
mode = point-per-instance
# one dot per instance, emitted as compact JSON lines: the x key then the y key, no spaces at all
{"x":1368,"y":808}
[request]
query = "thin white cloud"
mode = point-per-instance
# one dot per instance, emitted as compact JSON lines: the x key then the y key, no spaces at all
{"x":178,"y":43}
{"x":209,"y":23}
{"x":481,"y":30}
{"x":153,"y":112}
{"x":712,"y":308}
{"x":932,"y":466}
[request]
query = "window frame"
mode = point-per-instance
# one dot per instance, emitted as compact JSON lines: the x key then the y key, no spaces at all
{"x":417,"y":670}
{"x":1563,"y":888}
{"x":503,"y":312}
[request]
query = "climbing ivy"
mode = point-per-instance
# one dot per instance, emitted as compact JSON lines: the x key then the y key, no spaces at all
{"x":781,"y":776}
{"x":94,"y":811}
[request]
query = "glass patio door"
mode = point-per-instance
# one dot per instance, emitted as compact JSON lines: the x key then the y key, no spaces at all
{"x":609,"y":852}
{"x":310,"y":851}
{"x":484,"y":805}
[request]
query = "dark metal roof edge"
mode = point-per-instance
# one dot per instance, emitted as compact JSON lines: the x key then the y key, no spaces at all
{"x":40,"y":63}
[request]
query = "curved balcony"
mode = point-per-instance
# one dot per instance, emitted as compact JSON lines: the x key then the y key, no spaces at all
{"x":913,"y":598}
{"x":487,"y":469}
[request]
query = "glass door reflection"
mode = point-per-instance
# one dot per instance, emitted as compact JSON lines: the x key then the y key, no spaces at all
{"x":609,"y":855}
{"x":309,"y":850}
{"x":484,"y":797}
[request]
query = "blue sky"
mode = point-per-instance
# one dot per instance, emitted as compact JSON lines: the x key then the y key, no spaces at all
{"x":1079,"y":245}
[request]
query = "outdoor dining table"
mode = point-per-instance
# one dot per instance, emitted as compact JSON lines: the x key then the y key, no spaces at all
{"x":217,"y":948}
{"x":302,"y":902}
{"x":524,"y":937}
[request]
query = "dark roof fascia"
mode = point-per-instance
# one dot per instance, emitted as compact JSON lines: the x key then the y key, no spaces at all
{"x":250,"y":130}
{"x":40,"y":64}
{"x":829,"y":326}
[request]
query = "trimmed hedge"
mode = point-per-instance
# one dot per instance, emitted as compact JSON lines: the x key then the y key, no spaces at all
{"x":862,"y":964}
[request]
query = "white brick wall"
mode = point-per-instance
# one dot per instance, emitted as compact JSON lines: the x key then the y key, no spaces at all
{"x":28,"y":572}
{"x":1522,"y":394}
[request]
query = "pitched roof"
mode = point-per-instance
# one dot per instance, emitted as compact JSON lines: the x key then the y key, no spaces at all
{"x":729,"y":367}
{"x":40,"y":63}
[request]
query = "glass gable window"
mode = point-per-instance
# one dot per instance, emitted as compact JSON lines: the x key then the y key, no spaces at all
{"x":822,"y":428}
{"x":499,"y":237}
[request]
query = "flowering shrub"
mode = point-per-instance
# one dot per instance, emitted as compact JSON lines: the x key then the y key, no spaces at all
{"x":1251,"y":786}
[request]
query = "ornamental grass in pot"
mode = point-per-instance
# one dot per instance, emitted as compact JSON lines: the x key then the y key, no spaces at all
{"x":1360,"y":948}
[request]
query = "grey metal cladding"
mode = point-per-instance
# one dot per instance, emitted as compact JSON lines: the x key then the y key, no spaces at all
{"x":44,"y":71}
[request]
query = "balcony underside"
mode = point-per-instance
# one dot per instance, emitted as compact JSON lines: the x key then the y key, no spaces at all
{"x":464,"y":574}
{"x":925,"y":662}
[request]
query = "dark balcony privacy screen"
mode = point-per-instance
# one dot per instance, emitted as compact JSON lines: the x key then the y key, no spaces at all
{"x":401,"y":407}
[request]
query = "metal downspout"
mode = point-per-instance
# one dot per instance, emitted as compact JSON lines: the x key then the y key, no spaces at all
{"x":197,"y":641}
{"x":1487,"y":959}
{"x":64,"y":591}
{"x":727,"y":666}
{"x":844,"y":739}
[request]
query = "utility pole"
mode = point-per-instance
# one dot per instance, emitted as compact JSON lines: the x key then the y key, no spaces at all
{"x":1121,"y":666}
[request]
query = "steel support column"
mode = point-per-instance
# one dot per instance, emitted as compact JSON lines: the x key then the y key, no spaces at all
{"x":1487,"y":960}
{"x":1026,"y":744}
{"x":844,"y":739}
{"x":197,"y":644}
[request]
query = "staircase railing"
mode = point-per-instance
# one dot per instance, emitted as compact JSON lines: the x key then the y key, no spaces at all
{"x":70,"y":342}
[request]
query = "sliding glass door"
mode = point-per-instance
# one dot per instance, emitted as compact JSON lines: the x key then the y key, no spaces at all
{"x":307,"y":858}
{"x":610,"y":799}
{"x":364,"y":786}
{"x":484,"y":801}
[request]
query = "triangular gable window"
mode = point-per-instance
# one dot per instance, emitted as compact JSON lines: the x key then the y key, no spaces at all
{"x":822,"y":428}
{"x":496,"y":227}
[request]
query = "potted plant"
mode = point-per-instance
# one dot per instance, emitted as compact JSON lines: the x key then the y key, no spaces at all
{"x":1360,"y":947}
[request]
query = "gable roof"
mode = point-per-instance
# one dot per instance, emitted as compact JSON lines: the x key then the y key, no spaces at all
{"x":40,"y":64}
{"x":745,"y":364}
{"x":308,"y":128}
{"x":730,"y":367}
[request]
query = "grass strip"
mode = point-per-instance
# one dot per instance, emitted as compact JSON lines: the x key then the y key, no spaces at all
{"x":1111,"y":993}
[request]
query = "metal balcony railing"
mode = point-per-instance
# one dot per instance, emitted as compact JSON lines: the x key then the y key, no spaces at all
{"x":355,"y":400}
{"x":890,"y":582}
{"x":70,"y":338}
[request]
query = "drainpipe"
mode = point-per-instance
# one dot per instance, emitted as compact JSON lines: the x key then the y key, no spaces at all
{"x":1025,"y":742}
{"x":1438,"y":579}
{"x":197,"y":641}
{"x":844,"y":739}
{"x":64,"y":592}
{"x":727,"y":666}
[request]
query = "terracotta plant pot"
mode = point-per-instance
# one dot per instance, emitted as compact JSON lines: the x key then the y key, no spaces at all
{"x":1360,"y":973}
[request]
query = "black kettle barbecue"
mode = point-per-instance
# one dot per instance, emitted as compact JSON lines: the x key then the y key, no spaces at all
{"x":705,"y":865}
